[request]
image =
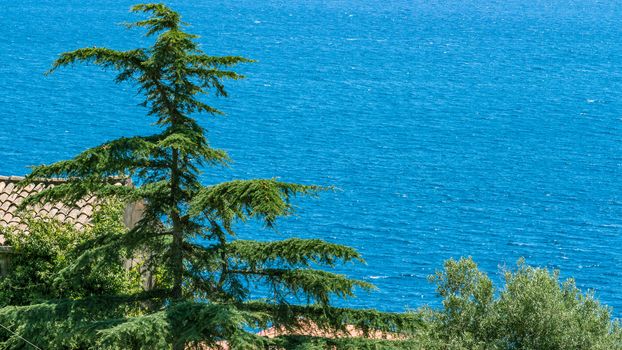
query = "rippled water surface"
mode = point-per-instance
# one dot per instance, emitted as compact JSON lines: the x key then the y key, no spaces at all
{"x":450,"y":127}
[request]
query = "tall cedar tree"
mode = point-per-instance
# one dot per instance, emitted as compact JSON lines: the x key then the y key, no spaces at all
{"x":186,"y":238}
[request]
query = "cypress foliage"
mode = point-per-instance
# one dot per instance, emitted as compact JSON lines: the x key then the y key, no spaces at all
{"x":203,"y":274}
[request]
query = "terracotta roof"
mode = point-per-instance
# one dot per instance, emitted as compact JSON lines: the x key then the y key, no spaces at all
{"x":311,"y":329}
{"x":11,"y":195}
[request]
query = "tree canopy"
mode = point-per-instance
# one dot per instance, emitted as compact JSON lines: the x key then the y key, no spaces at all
{"x":533,"y":310}
{"x":204,"y":275}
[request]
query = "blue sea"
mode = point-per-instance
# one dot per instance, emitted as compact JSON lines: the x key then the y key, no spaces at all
{"x":490,"y":129}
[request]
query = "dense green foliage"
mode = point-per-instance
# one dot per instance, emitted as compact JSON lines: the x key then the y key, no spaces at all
{"x":40,"y":256}
{"x":186,"y":236}
{"x":71,"y":292}
{"x":534,"y":310}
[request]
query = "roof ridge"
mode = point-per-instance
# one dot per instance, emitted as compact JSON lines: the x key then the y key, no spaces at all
{"x":127,"y":181}
{"x":37,"y":180}
{"x":11,"y":178}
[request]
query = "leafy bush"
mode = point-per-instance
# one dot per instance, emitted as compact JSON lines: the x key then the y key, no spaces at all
{"x":534,"y":310}
{"x":41,"y":255}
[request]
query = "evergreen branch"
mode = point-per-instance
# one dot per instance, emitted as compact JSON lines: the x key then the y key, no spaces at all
{"x":293,"y":251}
{"x":208,"y":325}
{"x":128,"y":62}
{"x":20,"y":337}
{"x":135,"y":333}
{"x":265,"y":199}
{"x":63,"y":324}
{"x":190,"y":144}
{"x":313,"y":284}
{"x":114,"y":158}
{"x":205,"y":61}
{"x":335,"y":319}
{"x":72,"y":191}
{"x":342,"y":343}
{"x":162,"y":18}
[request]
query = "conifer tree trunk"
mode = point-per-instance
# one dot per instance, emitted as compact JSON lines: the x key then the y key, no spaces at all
{"x":177,"y":230}
{"x":177,"y":259}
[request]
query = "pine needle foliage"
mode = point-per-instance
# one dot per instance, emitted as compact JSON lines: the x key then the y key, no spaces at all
{"x":205,"y":275}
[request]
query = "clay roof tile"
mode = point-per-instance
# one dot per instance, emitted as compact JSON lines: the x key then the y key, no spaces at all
{"x":11,"y":195}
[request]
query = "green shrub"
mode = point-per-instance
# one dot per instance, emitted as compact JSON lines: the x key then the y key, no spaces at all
{"x":42,"y":254}
{"x":534,"y":310}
